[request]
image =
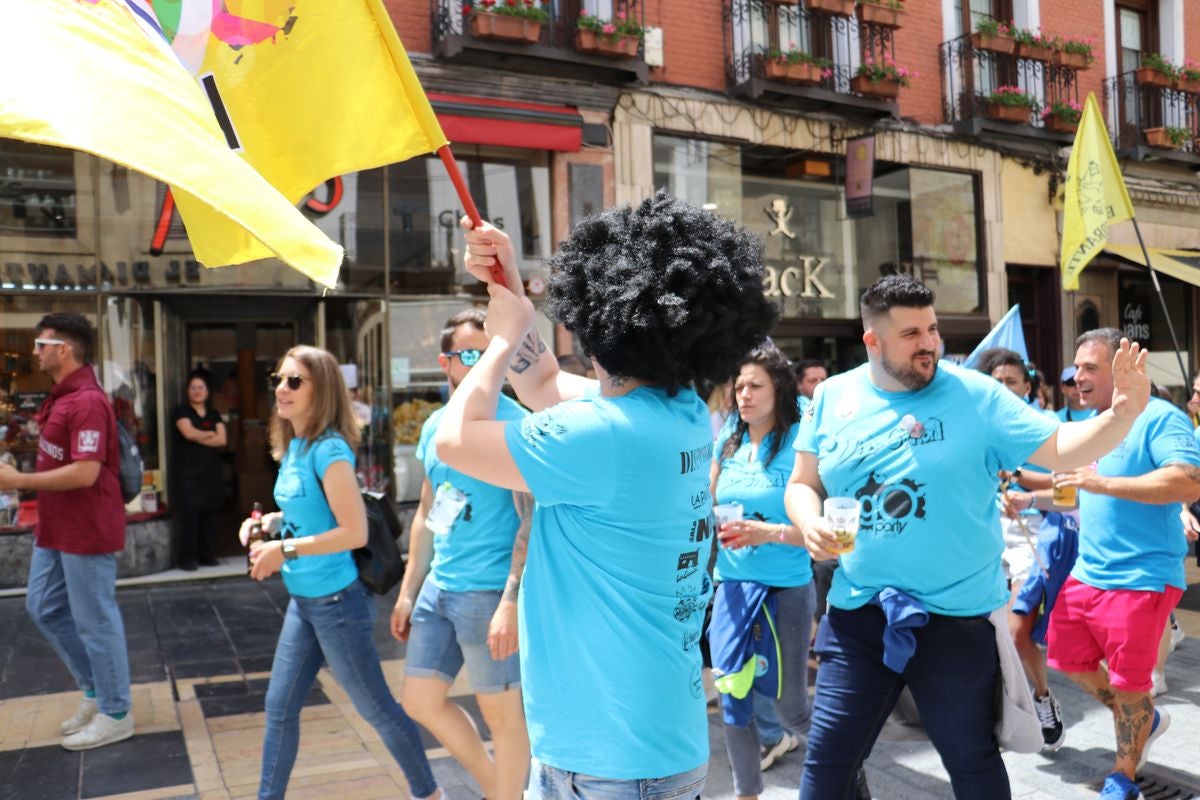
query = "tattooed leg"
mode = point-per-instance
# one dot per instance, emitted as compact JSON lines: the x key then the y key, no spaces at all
{"x":1096,"y":684}
{"x":1133,"y":716}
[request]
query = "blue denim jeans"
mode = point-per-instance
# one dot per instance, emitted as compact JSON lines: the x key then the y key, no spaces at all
{"x":952,"y":676}
{"x":552,"y":783}
{"x":766,"y":719}
{"x":72,"y":599}
{"x":336,"y":629}
{"x":450,"y":629}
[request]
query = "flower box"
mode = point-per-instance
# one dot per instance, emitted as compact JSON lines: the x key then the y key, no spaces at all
{"x":995,"y":44}
{"x":1189,"y":86}
{"x":1034,"y":52}
{"x":585,"y":41}
{"x":838,"y":8}
{"x":504,"y":28}
{"x":1016,"y":114}
{"x":1157,"y":137}
{"x":1149,"y":76}
{"x":774,"y":70}
{"x":803,"y":73}
{"x":1060,"y":125}
{"x":625,"y":46}
{"x":883,"y":89}
{"x":1061,"y":58}
{"x":875,"y":14}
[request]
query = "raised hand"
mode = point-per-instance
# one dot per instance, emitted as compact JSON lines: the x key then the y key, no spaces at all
{"x":1131,"y":386}
{"x":486,"y":245}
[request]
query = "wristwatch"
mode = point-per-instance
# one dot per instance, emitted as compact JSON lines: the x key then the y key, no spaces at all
{"x":289,"y":550}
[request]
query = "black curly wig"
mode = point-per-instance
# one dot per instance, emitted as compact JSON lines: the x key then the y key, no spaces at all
{"x":665,"y":292}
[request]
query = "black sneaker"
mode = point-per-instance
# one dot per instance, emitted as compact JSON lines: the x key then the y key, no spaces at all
{"x":1050,"y":716}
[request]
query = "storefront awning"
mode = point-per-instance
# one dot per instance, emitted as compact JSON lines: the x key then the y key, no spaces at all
{"x":506,"y":123}
{"x":1183,"y":265}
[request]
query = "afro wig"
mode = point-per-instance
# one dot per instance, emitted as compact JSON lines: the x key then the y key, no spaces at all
{"x":665,"y":293}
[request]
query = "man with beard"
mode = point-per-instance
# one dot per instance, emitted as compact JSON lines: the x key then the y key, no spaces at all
{"x":919,"y":445}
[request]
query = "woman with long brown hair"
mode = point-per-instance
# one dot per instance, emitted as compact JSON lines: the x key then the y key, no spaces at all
{"x":331,"y":614}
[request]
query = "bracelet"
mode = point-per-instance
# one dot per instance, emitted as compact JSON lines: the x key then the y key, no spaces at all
{"x":1032,"y":501}
{"x":782,"y":531}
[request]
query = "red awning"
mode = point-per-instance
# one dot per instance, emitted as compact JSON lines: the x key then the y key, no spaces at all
{"x":506,"y":123}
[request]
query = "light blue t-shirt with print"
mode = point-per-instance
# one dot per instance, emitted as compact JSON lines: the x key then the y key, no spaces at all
{"x":615,"y":585}
{"x":476,"y":553}
{"x":760,"y":490}
{"x":1068,"y":414}
{"x":1128,"y":545}
{"x":924,"y":465}
{"x":301,"y":498}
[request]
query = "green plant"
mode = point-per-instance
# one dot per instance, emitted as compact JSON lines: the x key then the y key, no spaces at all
{"x":1031,"y":38}
{"x":794,"y":55}
{"x":1068,"y":111}
{"x":895,"y":5}
{"x":526,"y":9}
{"x":886,"y":69}
{"x":1012,"y":96}
{"x":1190,"y":71}
{"x":1155,"y":61}
{"x":989,"y":26}
{"x":1079,"y":45}
{"x":1178,"y":136}
{"x":620,"y":25}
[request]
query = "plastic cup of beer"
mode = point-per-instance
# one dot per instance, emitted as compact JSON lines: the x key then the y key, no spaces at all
{"x":727,"y":512}
{"x":842,"y":514}
{"x":1064,"y":496}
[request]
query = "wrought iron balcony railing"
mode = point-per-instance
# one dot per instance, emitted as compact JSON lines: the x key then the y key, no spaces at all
{"x":1156,"y":119}
{"x":971,"y":74}
{"x":758,"y":32}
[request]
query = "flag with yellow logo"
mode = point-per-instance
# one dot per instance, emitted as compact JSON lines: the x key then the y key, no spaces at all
{"x":1095,"y":195}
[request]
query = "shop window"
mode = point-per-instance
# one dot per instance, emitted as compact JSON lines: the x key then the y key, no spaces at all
{"x":354,"y":333}
{"x":37,"y":190}
{"x":586,"y":187}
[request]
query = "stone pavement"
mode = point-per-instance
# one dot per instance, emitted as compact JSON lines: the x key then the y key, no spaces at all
{"x":200,"y":655}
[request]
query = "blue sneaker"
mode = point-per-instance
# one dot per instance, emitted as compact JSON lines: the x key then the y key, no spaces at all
{"x":1118,"y":787}
{"x":1162,"y":721}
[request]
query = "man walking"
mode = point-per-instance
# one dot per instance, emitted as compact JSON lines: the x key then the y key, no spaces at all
{"x":1129,"y":575}
{"x":919,"y":445}
{"x":71,"y":595}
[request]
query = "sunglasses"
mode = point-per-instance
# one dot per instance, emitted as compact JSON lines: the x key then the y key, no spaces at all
{"x":469,"y":358}
{"x":40,"y":343}
{"x":293,"y":381}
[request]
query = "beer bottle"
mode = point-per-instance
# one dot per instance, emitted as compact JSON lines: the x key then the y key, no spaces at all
{"x":256,"y":533}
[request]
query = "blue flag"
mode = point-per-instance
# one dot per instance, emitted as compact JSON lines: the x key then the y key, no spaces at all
{"x":1007,"y":333}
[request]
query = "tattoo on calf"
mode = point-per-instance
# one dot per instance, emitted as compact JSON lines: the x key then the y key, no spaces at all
{"x":528,"y":353}
{"x":1106,"y":696}
{"x":1133,"y":727}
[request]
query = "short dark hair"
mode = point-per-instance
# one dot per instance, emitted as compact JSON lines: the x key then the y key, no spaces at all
{"x":474,"y":316}
{"x":992,"y":358}
{"x":807,"y":363}
{"x":890,"y":291}
{"x":1109,"y":336}
{"x":74,"y":328}
{"x":206,"y":377}
{"x":666,"y":292}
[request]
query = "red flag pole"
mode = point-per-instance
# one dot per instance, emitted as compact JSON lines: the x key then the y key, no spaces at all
{"x":496,"y":271}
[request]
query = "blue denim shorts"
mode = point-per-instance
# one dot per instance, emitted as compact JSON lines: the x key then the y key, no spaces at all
{"x":450,"y":628}
{"x":552,"y":783}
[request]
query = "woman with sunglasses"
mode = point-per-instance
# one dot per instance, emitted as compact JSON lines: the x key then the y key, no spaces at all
{"x":752,"y":461}
{"x":331,"y":615}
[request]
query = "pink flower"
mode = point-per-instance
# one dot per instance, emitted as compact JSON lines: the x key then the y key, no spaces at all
{"x":621,"y":15}
{"x":609,"y":28}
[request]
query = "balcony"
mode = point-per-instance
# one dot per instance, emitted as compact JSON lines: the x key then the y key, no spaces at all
{"x":552,"y":51}
{"x":970,"y":74}
{"x":755,"y":28}
{"x":1140,"y":115}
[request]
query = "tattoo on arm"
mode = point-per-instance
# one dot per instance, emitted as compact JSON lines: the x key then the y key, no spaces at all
{"x":529,"y":352}
{"x":524,"y":504}
{"x":1190,"y":470}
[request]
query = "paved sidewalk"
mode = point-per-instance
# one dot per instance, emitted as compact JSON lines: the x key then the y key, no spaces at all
{"x":200,"y":655}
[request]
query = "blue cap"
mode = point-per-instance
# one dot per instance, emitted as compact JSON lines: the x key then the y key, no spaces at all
{"x":1068,"y":375}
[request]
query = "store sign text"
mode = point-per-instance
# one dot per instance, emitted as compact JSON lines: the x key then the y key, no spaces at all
{"x":139,"y":273}
{"x":1132,"y":325}
{"x":796,"y":281}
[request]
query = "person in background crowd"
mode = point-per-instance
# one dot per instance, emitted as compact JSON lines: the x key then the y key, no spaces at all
{"x":663,"y":297}
{"x":1045,"y":393}
{"x":71,"y":596}
{"x":199,"y":485}
{"x":1073,"y":408}
{"x":752,"y":460}
{"x":720,"y":406}
{"x":458,"y":600}
{"x":330,"y":616}
{"x":1129,"y":574}
{"x":810,"y":373}
{"x":1193,"y":403}
{"x":931,"y":437}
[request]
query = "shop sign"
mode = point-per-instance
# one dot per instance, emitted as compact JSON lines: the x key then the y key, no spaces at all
{"x":32,"y":275}
{"x":1132,"y":325}
{"x":797,"y":281}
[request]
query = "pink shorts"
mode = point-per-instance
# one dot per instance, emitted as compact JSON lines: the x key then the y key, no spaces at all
{"x":1122,"y":626}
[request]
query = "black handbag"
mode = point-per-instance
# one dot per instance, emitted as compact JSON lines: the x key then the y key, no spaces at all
{"x":380,"y":565}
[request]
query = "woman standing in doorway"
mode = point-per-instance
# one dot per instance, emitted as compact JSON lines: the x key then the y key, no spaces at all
{"x":331,"y":615}
{"x":200,"y":487}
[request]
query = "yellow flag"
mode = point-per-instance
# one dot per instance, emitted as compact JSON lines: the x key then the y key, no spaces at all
{"x":85,"y":75}
{"x":1095,"y":195}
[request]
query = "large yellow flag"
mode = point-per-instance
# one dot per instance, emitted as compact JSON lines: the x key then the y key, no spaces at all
{"x":1095,"y":195}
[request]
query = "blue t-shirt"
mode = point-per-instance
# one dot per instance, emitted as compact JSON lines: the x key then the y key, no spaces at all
{"x":615,"y":585}
{"x":1067,"y":414}
{"x":475,"y":555}
{"x":760,"y":491}
{"x":923,"y":463}
{"x":1128,"y":545}
{"x":306,"y":513}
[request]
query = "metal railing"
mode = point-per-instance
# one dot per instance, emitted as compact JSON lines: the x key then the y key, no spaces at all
{"x":450,"y":18}
{"x":755,"y":28}
{"x":971,"y":74}
{"x":1133,"y":108}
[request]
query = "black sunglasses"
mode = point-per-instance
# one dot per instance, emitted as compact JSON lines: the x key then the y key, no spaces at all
{"x":293,"y":381}
{"x":469,"y":358}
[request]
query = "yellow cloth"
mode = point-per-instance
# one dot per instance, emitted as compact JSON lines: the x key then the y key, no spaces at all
{"x":1095,"y":195}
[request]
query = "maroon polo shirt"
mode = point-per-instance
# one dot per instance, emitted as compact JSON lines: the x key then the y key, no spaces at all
{"x":78,"y":424}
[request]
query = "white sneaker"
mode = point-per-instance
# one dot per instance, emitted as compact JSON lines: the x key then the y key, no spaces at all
{"x":1162,"y":721}
{"x":102,"y":730}
{"x":1177,"y":635}
{"x":87,"y":710}
{"x":785,"y":745}
{"x":1159,"y":680}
